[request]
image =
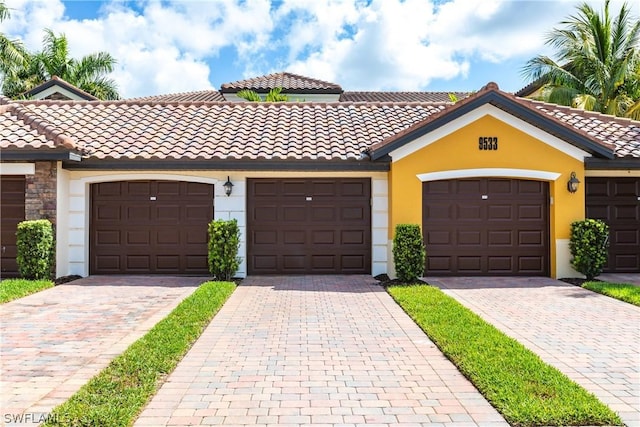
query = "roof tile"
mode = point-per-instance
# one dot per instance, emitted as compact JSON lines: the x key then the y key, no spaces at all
{"x":289,"y":82}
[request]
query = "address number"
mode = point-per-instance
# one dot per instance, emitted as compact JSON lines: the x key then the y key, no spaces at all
{"x":488,"y":143}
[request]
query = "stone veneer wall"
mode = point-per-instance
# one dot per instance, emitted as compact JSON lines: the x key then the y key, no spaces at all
{"x":40,"y":194}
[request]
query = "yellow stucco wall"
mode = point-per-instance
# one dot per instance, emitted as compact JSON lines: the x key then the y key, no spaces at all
{"x":516,"y":150}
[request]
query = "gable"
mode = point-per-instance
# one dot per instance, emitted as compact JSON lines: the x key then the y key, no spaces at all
{"x":488,"y":121}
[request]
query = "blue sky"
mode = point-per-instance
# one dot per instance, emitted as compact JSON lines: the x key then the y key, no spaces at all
{"x":185,"y":45}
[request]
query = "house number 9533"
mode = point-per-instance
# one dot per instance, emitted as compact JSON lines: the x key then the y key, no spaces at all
{"x":488,"y":143}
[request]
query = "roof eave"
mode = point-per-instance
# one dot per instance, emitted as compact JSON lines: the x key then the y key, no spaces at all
{"x":72,"y":156}
{"x":229,"y":164}
{"x":626,"y":163}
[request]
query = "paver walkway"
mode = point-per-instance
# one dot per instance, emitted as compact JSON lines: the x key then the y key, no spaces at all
{"x":591,"y":338}
{"x":332,"y":350}
{"x":633,"y":278}
{"x":54,"y":341}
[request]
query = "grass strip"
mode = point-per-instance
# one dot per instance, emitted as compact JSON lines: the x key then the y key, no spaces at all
{"x":621,"y":291}
{"x":11,"y":289}
{"x":119,"y":392}
{"x":524,"y":389}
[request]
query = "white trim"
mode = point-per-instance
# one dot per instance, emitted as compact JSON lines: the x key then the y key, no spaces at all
{"x":17,"y":168}
{"x":488,"y":172}
{"x":52,"y":90}
{"x":478,"y":113}
{"x":147,"y":176}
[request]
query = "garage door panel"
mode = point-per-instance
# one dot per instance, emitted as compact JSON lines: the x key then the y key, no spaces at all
{"x":318,"y":226}
{"x":499,"y":212}
{"x":323,"y":237}
{"x":138,"y":188}
{"x":150,"y":227}
{"x":354,"y":189}
{"x":615,"y":200}
{"x":499,"y":264}
{"x":294,"y":188}
{"x":294,"y":237}
{"x":438,"y":237}
{"x":531,"y":212}
{"x":484,"y":226}
{"x":533,"y":265}
{"x":468,"y":213}
{"x":352,"y":237}
{"x":530,"y":237}
{"x":500,"y":238}
{"x":469,"y":237}
{"x":323,"y":214}
{"x":469,"y":264}
{"x":625,"y":212}
{"x":137,"y":237}
{"x":291,"y":213}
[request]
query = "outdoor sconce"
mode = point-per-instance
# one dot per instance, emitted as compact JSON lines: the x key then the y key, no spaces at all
{"x":572,"y":185}
{"x":228,"y":187}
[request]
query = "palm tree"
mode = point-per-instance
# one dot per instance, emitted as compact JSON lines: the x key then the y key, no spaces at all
{"x":87,"y":73}
{"x":598,"y":64}
{"x":274,"y":95}
{"x":12,"y":52}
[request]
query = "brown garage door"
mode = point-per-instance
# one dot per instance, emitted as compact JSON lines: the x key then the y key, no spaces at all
{"x":309,"y":226}
{"x":153,"y":227}
{"x":617,"y":202}
{"x":486,"y":226}
{"x":11,"y":213}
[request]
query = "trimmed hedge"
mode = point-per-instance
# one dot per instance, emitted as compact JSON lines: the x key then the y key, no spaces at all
{"x":409,"y":254}
{"x":589,"y":245}
{"x":35,"y":249}
{"x":224,"y":243}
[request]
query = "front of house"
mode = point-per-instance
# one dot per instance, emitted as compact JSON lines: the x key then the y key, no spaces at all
{"x":318,"y":184}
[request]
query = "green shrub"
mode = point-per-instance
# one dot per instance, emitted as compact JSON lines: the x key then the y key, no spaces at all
{"x":409,"y":253}
{"x":224,"y":242}
{"x":35,"y":249}
{"x":588,"y":245}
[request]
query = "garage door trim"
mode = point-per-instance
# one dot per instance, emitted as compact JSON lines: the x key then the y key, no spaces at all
{"x":489,"y":173}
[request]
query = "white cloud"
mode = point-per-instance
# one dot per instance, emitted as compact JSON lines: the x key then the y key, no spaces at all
{"x":173,"y":46}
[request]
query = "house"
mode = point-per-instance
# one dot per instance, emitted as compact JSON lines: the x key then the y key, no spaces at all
{"x":318,"y":184}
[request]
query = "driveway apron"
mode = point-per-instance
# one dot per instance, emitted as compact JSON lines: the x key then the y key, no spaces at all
{"x":54,"y":341}
{"x":322,"y":350}
{"x":591,"y":338}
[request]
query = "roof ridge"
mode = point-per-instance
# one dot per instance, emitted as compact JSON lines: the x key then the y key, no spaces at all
{"x":42,"y":126}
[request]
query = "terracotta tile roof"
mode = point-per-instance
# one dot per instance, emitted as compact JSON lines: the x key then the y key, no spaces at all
{"x":618,"y":135}
{"x":401,"y":96}
{"x":296,"y":131}
{"x":289,"y":83}
{"x":197,"y":96}
{"x":19,"y":128}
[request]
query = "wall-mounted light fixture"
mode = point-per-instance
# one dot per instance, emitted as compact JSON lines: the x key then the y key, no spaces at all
{"x":572,"y":185}
{"x":228,"y":187}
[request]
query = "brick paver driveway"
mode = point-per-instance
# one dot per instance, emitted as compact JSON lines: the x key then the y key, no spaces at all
{"x":52,"y":342}
{"x":315,"y":350}
{"x":591,"y":338}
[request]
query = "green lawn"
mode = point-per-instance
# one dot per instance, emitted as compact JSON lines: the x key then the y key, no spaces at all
{"x":11,"y":289}
{"x":622,"y":291}
{"x":524,"y":389}
{"x":116,"y":395}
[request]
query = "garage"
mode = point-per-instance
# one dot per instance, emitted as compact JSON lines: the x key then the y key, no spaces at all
{"x":149,"y":227}
{"x":486,"y":226}
{"x":12,"y":189}
{"x":309,"y":226}
{"x":616,"y":201}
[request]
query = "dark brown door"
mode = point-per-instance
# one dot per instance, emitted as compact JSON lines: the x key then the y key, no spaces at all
{"x":309,"y":226}
{"x":11,"y":213}
{"x":617,"y":202}
{"x":150,"y":227}
{"x":486,"y":226}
